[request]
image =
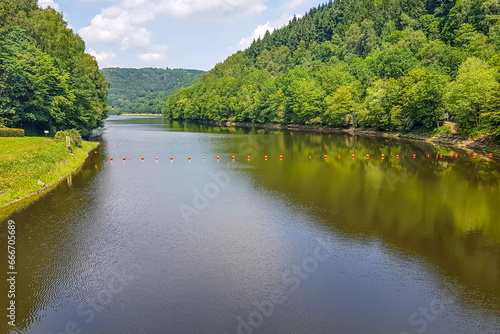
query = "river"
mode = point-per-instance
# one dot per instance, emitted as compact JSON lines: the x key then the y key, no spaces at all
{"x":284,"y":245}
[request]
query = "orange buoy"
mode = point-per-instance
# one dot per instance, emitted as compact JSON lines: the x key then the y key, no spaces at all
{"x":428,"y":155}
{"x":382,"y":156}
{"x":248,"y":158}
{"x":367,"y":156}
{"x":142,"y":158}
{"x":156,"y":158}
{"x":474,"y":155}
{"x":491,"y":155}
{"x":218,"y":158}
{"x":440,"y":156}
{"x":95,"y":152}
{"x":204,"y":158}
{"x":397,"y":156}
{"x":339,"y":156}
{"x":265,"y":158}
{"x":414,"y":156}
{"x":281,"y":157}
{"x":353,"y":156}
{"x":310,"y":157}
{"x":456,"y":155}
{"x":123,"y":158}
{"x":111,"y":158}
{"x":233,"y":157}
{"x":171,"y":158}
{"x":189,"y":158}
{"x":95,"y":166}
{"x":326,"y":157}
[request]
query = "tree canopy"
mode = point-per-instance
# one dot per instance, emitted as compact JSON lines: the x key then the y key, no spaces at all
{"x":385,"y":64}
{"x":47,"y":81}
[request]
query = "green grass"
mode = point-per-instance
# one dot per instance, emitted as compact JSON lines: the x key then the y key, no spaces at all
{"x":25,"y":161}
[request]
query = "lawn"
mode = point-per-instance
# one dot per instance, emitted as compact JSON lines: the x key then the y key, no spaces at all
{"x":25,"y":161}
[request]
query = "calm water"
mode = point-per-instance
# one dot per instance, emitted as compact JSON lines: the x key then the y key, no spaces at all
{"x":293,"y":246}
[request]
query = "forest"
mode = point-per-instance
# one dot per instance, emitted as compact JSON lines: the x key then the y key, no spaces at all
{"x":145,"y":90}
{"x":390,"y":65}
{"x":47,"y":81}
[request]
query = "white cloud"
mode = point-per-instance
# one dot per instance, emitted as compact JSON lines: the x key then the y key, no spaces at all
{"x":46,"y":3}
{"x":152,"y":58}
{"x":260,"y":31}
{"x":105,"y":59}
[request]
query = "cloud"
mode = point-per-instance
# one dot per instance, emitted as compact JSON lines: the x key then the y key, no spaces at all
{"x":105,"y":59}
{"x":152,"y":58}
{"x":46,"y":3}
{"x":260,"y":31}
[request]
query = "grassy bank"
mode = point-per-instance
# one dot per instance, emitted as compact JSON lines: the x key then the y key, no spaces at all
{"x":25,"y":161}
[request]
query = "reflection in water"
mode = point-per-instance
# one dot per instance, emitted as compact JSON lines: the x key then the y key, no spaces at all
{"x":110,"y":251}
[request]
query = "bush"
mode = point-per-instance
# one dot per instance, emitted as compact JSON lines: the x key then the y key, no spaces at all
{"x":74,"y":135}
{"x":444,"y":130}
{"x":8,"y":132}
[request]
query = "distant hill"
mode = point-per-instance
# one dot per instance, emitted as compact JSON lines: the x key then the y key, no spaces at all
{"x":145,"y":90}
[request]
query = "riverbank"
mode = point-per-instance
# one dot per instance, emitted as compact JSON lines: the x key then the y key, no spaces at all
{"x":479,"y":145}
{"x":32,"y":165}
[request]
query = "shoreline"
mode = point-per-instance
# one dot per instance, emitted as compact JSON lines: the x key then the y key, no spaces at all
{"x":50,"y":187}
{"x":480,"y":145}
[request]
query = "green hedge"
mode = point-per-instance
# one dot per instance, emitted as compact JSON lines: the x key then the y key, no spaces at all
{"x":7,"y":132}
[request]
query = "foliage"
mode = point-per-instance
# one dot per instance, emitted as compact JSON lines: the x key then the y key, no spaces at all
{"x":73,"y":134}
{"x":7,"y":132}
{"x":46,"y":79}
{"x":139,"y":91}
{"x":385,"y":64}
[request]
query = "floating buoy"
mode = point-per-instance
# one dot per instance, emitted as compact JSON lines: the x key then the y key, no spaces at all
{"x":353,"y":156}
{"x":428,"y":155}
{"x":95,"y":152}
{"x":233,"y":157}
{"x":142,"y":158}
{"x":189,"y":158}
{"x":474,"y":155}
{"x":111,"y":158}
{"x":123,"y":158}
{"x":326,"y":157}
{"x":367,"y":156}
{"x":397,"y":156}
{"x":441,"y":156}
{"x":171,"y":158}
{"x":310,"y":157}
{"x":382,"y":156}
{"x":248,"y":158}
{"x":491,"y":155}
{"x":156,"y":158}
{"x":204,"y":158}
{"x":281,"y":157}
{"x":339,"y":156}
{"x":414,"y":156}
{"x":456,"y":155}
{"x":95,"y":166}
{"x":218,"y":158}
{"x":265,"y":158}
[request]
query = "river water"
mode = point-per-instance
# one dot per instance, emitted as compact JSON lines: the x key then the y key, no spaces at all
{"x":297,"y":245}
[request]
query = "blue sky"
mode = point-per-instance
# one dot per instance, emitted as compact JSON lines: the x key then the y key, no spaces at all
{"x":193,"y":34}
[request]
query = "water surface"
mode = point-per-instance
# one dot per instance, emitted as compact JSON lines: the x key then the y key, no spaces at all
{"x":298,"y":245}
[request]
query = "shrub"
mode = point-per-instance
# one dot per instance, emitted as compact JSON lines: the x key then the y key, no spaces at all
{"x":8,"y":132}
{"x":74,"y":135}
{"x":444,"y":130}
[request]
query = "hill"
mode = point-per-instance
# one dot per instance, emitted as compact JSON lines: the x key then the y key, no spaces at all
{"x":136,"y":91}
{"x":386,"y":64}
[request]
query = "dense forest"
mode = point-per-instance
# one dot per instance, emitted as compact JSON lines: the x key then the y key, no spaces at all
{"x":140,"y":91}
{"x":383,"y":64}
{"x":47,"y":81}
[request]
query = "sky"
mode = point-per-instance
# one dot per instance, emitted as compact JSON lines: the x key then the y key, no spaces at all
{"x":191,"y":34}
